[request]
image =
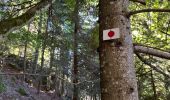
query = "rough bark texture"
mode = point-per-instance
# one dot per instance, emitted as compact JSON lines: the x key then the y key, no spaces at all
{"x":118,"y":81}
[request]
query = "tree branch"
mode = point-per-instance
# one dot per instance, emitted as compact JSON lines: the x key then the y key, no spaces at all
{"x":11,"y":24}
{"x":151,"y":51}
{"x":139,"y":1}
{"x":26,"y":2}
{"x":156,"y":68}
{"x":165,"y":33}
{"x":147,"y":10}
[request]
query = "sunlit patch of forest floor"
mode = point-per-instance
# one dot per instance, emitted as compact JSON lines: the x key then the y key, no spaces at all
{"x":13,"y":88}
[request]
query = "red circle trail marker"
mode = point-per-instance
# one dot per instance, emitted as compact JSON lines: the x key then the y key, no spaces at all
{"x":111,"y":34}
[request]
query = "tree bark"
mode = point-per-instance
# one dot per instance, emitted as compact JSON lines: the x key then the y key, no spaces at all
{"x":118,"y":79}
{"x":75,"y":45}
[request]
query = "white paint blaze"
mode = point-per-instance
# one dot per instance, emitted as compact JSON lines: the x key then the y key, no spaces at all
{"x":116,"y":35}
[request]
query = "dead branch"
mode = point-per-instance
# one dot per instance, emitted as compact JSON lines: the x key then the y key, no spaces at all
{"x":7,"y":74}
{"x":26,"y":2}
{"x":147,"y":10}
{"x":151,"y":51}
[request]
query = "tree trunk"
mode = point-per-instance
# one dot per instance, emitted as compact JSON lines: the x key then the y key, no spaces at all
{"x":56,"y":84}
{"x":25,"y":53}
{"x":153,"y":86}
{"x":52,"y":50}
{"x":166,"y":85}
{"x":43,"y":52}
{"x":75,"y":44}
{"x":62,"y":84}
{"x":37,"y":46}
{"x":118,"y":79}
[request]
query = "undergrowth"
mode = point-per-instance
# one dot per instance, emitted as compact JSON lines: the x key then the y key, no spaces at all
{"x":22,"y":92}
{"x":2,"y":85}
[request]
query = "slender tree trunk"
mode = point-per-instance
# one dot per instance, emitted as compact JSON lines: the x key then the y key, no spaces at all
{"x":25,"y":53}
{"x":166,"y":85}
{"x":118,"y":79}
{"x":62,"y":84}
{"x":37,"y":46}
{"x":42,"y":64}
{"x":19,"y":51}
{"x":25,"y":59}
{"x":56,"y":85}
{"x":153,"y":86}
{"x":52,"y":53}
{"x":75,"y":61}
{"x":42,"y":55}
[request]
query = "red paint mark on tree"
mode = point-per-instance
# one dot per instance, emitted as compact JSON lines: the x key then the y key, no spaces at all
{"x":111,"y":34}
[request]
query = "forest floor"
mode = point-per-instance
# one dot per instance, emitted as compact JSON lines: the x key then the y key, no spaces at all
{"x":15,"y":89}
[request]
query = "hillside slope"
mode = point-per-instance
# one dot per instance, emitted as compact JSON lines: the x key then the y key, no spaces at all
{"x":12,"y":88}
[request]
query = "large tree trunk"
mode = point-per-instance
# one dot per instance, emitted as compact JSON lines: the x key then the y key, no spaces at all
{"x":118,"y":79}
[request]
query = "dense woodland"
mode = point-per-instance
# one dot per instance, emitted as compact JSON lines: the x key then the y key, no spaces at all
{"x":57,"y":47}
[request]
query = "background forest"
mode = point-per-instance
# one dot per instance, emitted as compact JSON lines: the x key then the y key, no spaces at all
{"x":57,"y":50}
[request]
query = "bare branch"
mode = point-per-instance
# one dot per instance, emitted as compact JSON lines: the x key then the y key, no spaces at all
{"x":165,"y":33}
{"x":139,"y":1}
{"x":14,"y":23}
{"x":26,"y":2}
{"x":147,"y":10}
{"x":151,"y":51}
{"x":156,"y":68}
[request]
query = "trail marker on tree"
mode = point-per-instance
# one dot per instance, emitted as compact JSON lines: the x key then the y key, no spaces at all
{"x":110,"y":34}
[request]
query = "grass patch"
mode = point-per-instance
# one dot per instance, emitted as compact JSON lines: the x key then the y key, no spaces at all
{"x":2,"y":87}
{"x":22,"y":92}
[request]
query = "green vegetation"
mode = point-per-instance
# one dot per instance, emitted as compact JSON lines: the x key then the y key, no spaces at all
{"x":46,"y":46}
{"x":22,"y":91}
{"x":2,"y":85}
